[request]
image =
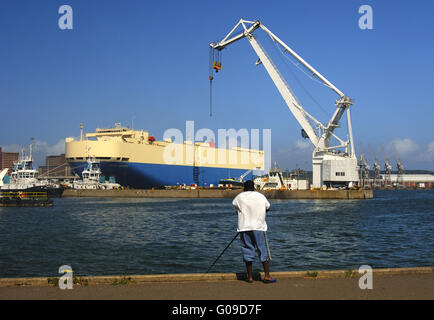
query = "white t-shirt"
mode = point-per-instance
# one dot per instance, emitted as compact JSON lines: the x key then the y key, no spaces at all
{"x":251,"y":207}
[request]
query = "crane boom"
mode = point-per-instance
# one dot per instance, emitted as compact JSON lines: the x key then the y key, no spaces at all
{"x":321,"y":140}
{"x":284,"y":90}
{"x":241,"y":178}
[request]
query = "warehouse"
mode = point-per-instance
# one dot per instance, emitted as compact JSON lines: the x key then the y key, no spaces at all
{"x":424,"y":181}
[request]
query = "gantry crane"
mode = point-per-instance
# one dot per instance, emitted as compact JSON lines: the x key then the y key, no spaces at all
{"x":387,"y":169}
{"x":387,"y":173}
{"x":330,"y":165}
{"x":364,"y":170}
{"x":399,"y":167}
{"x":377,"y":168}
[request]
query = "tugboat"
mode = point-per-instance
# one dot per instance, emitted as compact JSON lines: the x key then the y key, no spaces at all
{"x":234,"y":182}
{"x":92,"y":178}
{"x":24,"y":178}
{"x":230,"y":183}
{"x":273,"y":181}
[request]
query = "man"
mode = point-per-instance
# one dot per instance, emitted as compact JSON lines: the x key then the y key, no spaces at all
{"x":251,"y":207}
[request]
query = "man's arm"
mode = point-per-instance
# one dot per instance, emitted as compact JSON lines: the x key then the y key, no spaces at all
{"x":267,"y":205}
{"x":235,"y":204}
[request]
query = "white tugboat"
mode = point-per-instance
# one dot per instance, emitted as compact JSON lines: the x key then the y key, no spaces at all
{"x":91,"y":178}
{"x":24,"y":178}
{"x":275,"y":180}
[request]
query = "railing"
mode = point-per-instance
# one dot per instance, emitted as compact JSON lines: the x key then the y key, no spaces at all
{"x":24,"y":195}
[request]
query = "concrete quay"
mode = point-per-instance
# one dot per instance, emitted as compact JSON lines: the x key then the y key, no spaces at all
{"x":396,"y":283}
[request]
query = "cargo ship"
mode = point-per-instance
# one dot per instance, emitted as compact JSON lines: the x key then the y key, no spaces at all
{"x":137,"y":160}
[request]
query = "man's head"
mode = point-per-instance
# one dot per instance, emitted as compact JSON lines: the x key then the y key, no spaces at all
{"x":249,"y":185}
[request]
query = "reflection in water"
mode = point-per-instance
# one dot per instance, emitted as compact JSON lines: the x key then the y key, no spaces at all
{"x":99,"y":236}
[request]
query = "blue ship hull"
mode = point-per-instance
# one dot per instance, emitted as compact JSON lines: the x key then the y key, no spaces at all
{"x":146,"y":175}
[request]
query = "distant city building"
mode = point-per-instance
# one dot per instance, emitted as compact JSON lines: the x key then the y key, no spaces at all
{"x":7,"y":160}
{"x":55,"y":167}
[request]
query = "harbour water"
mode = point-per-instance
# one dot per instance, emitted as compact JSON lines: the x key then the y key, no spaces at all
{"x":112,"y":236}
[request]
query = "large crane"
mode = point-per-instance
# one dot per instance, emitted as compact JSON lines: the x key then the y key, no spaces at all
{"x":330,"y":165}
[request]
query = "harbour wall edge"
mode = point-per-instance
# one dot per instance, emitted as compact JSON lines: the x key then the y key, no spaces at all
{"x":187,"y":277}
{"x":224,"y":193}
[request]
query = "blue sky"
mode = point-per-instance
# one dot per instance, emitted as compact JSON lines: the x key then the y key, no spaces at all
{"x":149,"y":61}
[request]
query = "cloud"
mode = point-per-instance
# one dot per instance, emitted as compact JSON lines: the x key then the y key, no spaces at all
{"x":299,"y":155}
{"x":431,"y":147}
{"x":303,"y":145}
{"x":403,"y":147}
{"x":41,"y":149}
{"x":12,"y":148}
{"x":429,"y":154}
{"x":413,"y":155}
{"x":45,"y":148}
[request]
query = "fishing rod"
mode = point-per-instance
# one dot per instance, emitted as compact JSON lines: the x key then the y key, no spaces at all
{"x":268,"y":247}
{"x":222,"y":252}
